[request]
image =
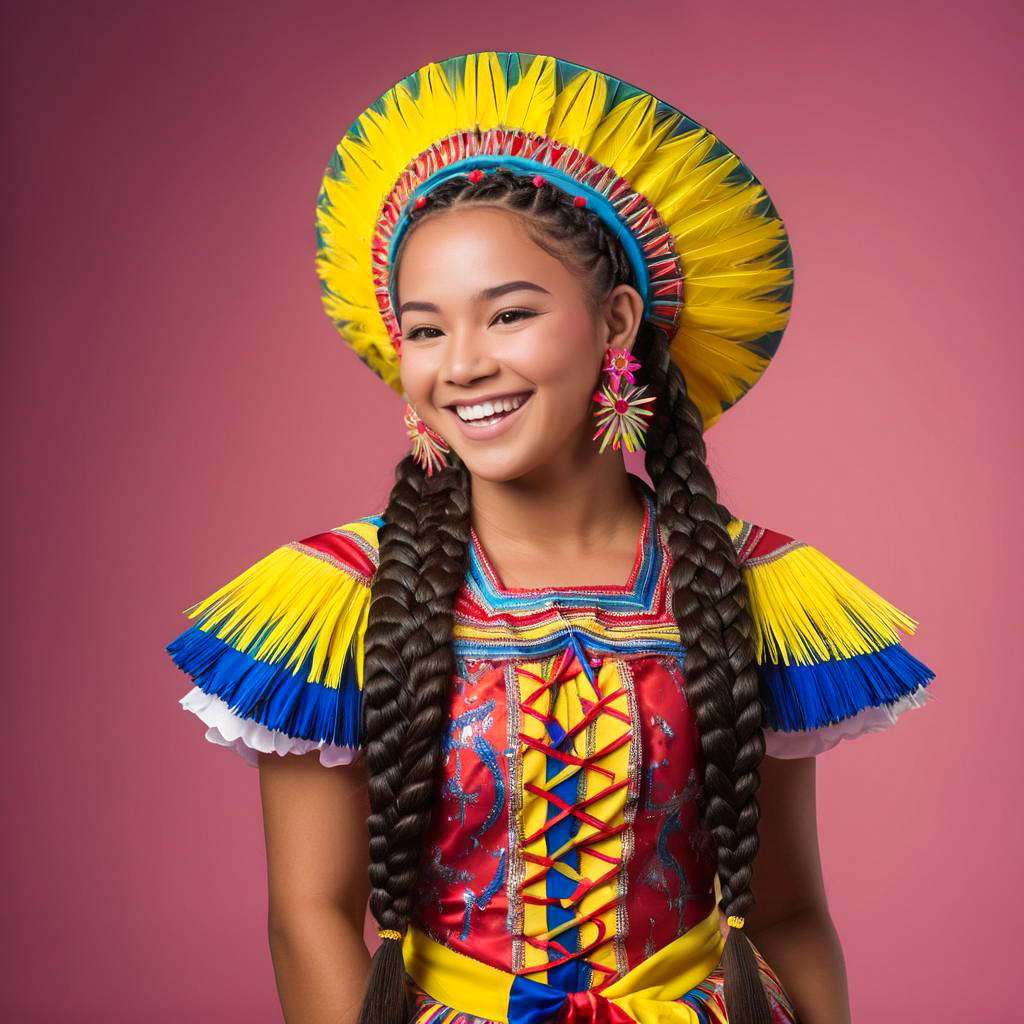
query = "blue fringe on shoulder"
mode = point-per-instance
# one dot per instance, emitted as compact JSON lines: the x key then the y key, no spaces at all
{"x":272,"y":694}
{"x":798,"y":697}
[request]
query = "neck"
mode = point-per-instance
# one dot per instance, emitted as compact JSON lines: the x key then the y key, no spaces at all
{"x":561,"y":511}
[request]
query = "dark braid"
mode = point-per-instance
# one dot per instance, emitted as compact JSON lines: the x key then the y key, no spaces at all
{"x":423,"y":555}
{"x":711,"y":605}
{"x":422,"y":550}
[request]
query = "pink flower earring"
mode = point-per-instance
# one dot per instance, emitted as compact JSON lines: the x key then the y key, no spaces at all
{"x":428,"y":446}
{"x":621,"y":416}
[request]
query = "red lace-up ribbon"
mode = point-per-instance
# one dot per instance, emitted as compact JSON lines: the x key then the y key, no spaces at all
{"x":587,"y":1005}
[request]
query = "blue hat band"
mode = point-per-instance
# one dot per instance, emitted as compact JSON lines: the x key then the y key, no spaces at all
{"x":595,"y":201}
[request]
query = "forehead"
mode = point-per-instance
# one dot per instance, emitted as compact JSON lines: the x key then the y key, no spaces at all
{"x":466,"y":249}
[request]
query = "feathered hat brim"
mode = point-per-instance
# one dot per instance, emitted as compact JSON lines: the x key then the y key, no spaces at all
{"x":712,"y":252}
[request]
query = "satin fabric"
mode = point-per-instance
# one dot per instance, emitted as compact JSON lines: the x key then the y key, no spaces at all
{"x":646,"y":994}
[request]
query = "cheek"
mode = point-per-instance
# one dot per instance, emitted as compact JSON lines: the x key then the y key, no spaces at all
{"x":416,"y":374}
{"x":563,"y":365}
{"x":563,"y":358}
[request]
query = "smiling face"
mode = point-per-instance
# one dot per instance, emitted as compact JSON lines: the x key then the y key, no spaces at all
{"x":486,"y":313}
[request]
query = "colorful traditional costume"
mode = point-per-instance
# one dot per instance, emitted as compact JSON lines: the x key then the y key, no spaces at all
{"x":565,"y":870}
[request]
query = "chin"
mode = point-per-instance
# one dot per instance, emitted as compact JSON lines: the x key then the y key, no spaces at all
{"x":496,"y":469}
{"x":499,"y":467}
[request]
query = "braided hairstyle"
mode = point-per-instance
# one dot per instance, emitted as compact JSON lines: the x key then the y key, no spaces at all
{"x":423,"y":557}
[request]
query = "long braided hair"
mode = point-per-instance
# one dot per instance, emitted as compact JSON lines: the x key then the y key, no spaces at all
{"x":423,"y":557}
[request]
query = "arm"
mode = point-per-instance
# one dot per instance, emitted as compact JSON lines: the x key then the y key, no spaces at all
{"x":831,"y":666}
{"x":318,"y":885}
{"x":790,"y":922}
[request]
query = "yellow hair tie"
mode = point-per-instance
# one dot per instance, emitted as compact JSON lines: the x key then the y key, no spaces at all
{"x":735,"y":922}
{"x":389,"y":933}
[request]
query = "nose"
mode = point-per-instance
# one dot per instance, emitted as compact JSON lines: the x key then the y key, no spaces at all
{"x":467,"y":357}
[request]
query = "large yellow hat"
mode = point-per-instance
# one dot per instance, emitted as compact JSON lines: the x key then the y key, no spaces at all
{"x":710,"y":254}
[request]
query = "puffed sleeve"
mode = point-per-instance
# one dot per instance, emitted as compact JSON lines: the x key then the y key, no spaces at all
{"x":830,"y":656}
{"x":276,"y":654}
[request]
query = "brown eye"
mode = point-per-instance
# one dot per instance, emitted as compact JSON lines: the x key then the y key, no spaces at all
{"x":414,"y":334}
{"x":516,"y":313}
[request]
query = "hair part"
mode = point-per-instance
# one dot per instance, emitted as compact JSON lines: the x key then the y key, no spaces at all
{"x":422,"y":560}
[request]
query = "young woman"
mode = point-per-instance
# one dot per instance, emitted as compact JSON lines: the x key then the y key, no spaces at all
{"x":559,"y":723}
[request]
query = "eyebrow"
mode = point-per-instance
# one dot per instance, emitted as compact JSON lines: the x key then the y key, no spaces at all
{"x":481,"y":296}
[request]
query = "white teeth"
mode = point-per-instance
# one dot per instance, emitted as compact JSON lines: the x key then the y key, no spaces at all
{"x":488,"y":409}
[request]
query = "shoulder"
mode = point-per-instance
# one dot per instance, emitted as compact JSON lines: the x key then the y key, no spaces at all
{"x":292,"y":588}
{"x":753,"y":542}
{"x":829,"y":647}
{"x":276,"y":652}
{"x":351,"y":547}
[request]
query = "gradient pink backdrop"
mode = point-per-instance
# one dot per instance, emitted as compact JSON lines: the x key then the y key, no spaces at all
{"x":177,"y":404}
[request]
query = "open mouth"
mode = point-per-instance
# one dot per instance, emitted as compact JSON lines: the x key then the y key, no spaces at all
{"x":487,"y":414}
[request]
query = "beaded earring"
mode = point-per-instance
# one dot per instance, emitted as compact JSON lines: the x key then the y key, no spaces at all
{"x":428,"y":447}
{"x":621,"y":415}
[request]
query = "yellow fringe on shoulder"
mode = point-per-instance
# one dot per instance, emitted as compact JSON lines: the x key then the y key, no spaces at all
{"x":808,"y":609}
{"x":287,"y":603}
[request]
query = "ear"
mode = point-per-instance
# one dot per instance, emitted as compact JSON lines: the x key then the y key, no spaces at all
{"x":623,"y":312}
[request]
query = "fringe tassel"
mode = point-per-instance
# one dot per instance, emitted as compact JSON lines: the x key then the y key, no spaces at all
{"x":801,"y":697}
{"x":828,"y":645}
{"x":282,"y":644}
{"x":810,"y":609}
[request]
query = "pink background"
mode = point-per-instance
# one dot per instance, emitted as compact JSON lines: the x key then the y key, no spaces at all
{"x":177,"y":404}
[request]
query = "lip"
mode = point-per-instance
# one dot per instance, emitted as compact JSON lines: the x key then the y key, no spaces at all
{"x":490,"y":398}
{"x":476,"y":432}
